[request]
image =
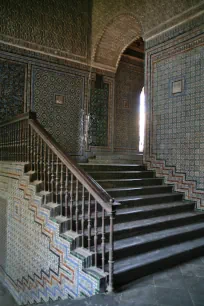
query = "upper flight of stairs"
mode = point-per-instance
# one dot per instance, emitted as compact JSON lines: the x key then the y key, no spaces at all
{"x":154,"y":227}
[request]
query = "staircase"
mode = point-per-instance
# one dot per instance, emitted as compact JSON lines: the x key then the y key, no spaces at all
{"x":120,"y":219}
{"x":154,"y":227}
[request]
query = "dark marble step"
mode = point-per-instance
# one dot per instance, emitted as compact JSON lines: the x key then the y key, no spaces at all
{"x":119,"y":155}
{"x":150,"y":225}
{"x":150,"y":199}
{"x":150,"y":211}
{"x":121,"y":174}
{"x":141,"y":244}
{"x":112,"y":167}
{"x":131,"y":268}
{"x":116,"y":183}
{"x":110,"y":161}
{"x":134,"y":191}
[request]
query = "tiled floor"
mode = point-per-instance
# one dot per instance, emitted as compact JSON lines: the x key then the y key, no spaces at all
{"x":180,"y":286}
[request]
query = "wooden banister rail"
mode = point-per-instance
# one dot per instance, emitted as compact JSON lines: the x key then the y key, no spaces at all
{"x":100,"y":195}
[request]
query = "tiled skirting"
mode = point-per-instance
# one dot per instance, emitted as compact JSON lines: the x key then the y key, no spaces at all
{"x":40,"y":265}
{"x":178,"y":179}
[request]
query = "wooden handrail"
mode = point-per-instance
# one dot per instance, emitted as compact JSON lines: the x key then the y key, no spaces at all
{"x":100,"y":195}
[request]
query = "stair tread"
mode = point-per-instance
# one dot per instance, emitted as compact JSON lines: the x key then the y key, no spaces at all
{"x":128,"y":180}
{"x":150,"y":221}
{"x":111,"y":165}
{"x":150,"y":196}
{"x":118,"y":171}
{"x":136,"y":188}
{"x":129,"y":263}
{"x":151,"y":237}
{"x":146,"y":208}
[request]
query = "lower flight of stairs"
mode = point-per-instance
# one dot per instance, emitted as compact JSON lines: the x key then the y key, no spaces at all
{"x":154,"y":227}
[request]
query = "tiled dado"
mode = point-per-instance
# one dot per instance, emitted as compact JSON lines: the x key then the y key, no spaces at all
{"x":178,"y":179}
{"x":40,"y":264}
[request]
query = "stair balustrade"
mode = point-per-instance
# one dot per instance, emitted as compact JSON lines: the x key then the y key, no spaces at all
{"x":86,"y":205}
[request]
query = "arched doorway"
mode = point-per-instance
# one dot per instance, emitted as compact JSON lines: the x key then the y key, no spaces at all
{"x":129,"y":82}
{"x":119,"y":50}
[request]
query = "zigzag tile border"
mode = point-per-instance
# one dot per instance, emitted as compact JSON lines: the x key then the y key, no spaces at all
{"x":179,"y":180}
{"x":63,"y":276}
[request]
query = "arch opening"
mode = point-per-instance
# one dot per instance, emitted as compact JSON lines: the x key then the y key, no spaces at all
{"x":129,"y":127}
{"x":116,"y":37}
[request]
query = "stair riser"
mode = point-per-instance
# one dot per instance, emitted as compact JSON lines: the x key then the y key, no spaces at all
{"x":147,"y":247}
{"x":134,"y":216}
{"x":151,"y":201}
{"x":128,"y":276}
{"x":139,"y":183}
{"x":112,"y":168}
{"x":141,"y":191}
{"x":131,"y":157}
{"x":150,"y":246}
{"x":115,"y":161}
{"x":153,"y":214}
{"x":118,"y":175}
{"x":120,"y":234}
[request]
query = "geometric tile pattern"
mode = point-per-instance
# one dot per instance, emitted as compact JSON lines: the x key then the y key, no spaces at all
{"x":98,"y":123}
{"x":175,"y":122}
{"x":63,"y":121}
{"x":59,"y":29}
{"x":12,"y":83}
{"x":40,"y":264}
{"x":3,"y":228}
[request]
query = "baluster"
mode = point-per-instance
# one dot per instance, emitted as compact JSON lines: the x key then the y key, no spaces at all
{"x":111,"y":246}
{"x":66,"y":193}
{"x":48,"y":169}
{"x":77,"y":205}
{"x":6,"y":140}
{"x":20,"y":142}
{"x":41,"y":159}
{"x":52,"y":177}
{"x":37,"y":157}
{"x":71,"y":203}
{"x":14,"y":142}
{"x":61,"y":190}
{"x":83,"y":215}
{"x":1,"y":144}
{"x":103,"y":239}
{"x":8,"y":137}
{"x":89,"y":222}
{"x":96,"y":233}
{"x":44,"y":168}
{"x":26,"y":142}
{"x":56,"y":179}
{"x":31,"y":148}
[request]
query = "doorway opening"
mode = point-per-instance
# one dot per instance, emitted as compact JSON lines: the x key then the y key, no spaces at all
{"x":129,"y":100}
{"x":142,"y":121}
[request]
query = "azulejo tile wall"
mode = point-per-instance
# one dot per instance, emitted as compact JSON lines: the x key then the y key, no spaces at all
{"x":39,"y":264}
{"x":12,"y":83}
{"x":175,"y":129}
{"x":63,"y":121}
